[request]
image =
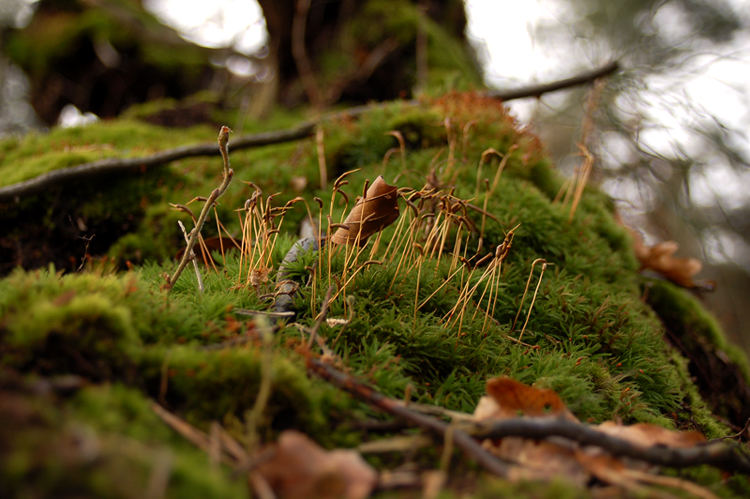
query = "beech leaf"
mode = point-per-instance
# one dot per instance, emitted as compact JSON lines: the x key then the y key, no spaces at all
{"x":660,"y":258}
{"x":301,"y":468}
{"x":371,"y":214}
{"x":509,"y":398}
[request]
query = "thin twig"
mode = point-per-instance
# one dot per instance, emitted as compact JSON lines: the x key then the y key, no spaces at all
{"x":460,"y":438}
{"x":539,"y":90}
{"x":192,"y":257}
{"x":228,"y":173}
{"x":720,"y":455}
{"x":321,"y":317}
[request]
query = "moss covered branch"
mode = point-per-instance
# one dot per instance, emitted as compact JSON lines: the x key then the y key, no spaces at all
{"x":302,"y":131}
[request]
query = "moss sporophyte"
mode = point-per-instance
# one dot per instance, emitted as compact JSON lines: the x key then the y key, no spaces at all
{"x":426,"y":283}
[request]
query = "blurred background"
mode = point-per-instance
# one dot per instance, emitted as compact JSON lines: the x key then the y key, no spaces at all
{"x":670,"y":132}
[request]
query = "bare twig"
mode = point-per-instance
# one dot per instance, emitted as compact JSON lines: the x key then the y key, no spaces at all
{"x":321,"y":316}
{"x":192,"y":257}
{"x":539,"y":90}
{"x":138,"y":165}
{"x":460,"y":438}
{"x":194,"y":435}
{"x":720,"y":455}
{"x":228,"y":173}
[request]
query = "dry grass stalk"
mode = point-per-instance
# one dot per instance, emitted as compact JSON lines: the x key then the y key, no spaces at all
{"x":533,"y":299}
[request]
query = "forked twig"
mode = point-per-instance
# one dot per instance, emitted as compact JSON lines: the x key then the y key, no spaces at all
{"x":461,"y":439}
{"x":228,"y":173}
{"x":192,"y":257}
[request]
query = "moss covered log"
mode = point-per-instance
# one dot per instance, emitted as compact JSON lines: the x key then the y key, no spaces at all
{"x":599,"y":334}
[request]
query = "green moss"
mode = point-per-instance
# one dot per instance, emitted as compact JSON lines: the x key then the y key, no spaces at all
{"x":687,"y":318}
{"x":36,"y":153}
{"x":105,"y":441}
{"x":590,"y":336}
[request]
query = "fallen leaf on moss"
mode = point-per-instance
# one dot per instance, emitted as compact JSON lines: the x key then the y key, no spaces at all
{"x":554,"y":457}
{"x":508,"y":398}
{"x":301,"y":468}
{"x":371,"y":214}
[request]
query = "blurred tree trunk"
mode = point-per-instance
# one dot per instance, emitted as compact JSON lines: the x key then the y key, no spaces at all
{"x":354,"y":50}
{"x":103,"y":56}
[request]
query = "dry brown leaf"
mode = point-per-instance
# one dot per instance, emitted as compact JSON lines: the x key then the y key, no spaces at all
{"x":301,"y":468}
{"x":541,"y":460}
{"x":647,"y":434}
{"x":555,"y":457}
{"x":660,"y":258}
{"x":509,"y":398}
{"x":371,"y":214}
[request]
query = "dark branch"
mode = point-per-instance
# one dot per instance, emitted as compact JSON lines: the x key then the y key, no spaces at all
{"x":124,"y":165}
{"x":538,"y":90}
{"x":302,"y":131}
{"x":460,"y":438}
{"x":720,"y":455}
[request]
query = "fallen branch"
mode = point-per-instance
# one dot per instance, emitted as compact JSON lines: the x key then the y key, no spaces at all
{"x":302,"y":131}
{"x":720,"y":455}
{"x":544,"y":88}
{"x":461,"y":439}
{"x":131,"y":165}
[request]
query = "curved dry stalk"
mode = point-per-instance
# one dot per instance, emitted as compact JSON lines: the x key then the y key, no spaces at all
{"x":192,"y":257}
{"x":482,"y":160}
{"x":533,"y":298}
{"x":228,"y":173}
{"x":526,"y":290}
{"x":401,"y":147}
{"x":582,"y":179}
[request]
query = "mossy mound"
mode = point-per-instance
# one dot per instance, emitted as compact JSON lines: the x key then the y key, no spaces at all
{"x":590,"y":335}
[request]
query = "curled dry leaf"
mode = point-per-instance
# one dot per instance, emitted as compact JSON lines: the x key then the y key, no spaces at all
{"x":660,"y":258}
{"x":371,"y":214}
{"x":301,"y":468}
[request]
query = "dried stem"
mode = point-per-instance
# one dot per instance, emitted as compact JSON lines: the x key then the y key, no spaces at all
{"x":192,"y":257}
{"x":228,"y":173}
{"x":460,"y":438}
{"x":723,"y":456}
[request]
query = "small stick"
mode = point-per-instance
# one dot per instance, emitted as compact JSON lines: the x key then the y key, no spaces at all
{"x":215,"y":194}
{"x":722,"y":456}
{"x":321,"y":317}
{"x":192,"y":257}
{"x":461,"y":439}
